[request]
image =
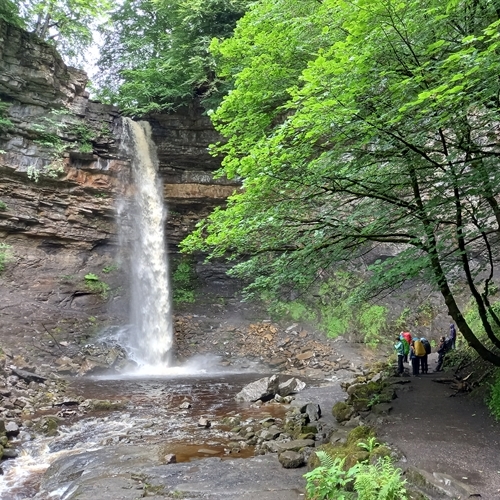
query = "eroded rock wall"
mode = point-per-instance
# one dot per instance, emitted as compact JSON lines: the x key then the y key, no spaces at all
{"x":62,"y":171}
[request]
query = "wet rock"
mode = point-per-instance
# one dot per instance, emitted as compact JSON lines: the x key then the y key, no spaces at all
{"x":170,"y":459}
{"x":10,"y":453}
{"x":291,"y":386}
{"x":11,"y":429}
{"x":291,"y":459}
{"x":262,"y":389}
{"x":204,"y":422}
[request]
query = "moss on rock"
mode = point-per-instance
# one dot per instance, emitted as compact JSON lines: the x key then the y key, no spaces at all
{"x":342,"y":411}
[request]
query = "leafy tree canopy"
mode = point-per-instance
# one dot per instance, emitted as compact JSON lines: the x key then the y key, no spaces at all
{"x":69,"y":24}
{"x":362,"y":123}
{"x":155,"y":53}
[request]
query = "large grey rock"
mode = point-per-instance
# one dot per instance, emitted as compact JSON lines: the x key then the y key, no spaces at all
{"x":291,"y":459}
{"x":115,"y":473}
{"x":264,"y":388}
{"x":291,"y":386}
{"x":295,"y":445}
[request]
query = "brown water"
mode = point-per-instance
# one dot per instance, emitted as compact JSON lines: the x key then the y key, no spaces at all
{"x":150,"y":415}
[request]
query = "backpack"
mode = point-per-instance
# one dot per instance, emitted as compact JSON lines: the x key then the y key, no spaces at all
{"x":419,"y":348}
{"x":427,"y":346}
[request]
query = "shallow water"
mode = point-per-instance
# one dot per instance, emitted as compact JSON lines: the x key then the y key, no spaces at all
{"x":151,"y":415}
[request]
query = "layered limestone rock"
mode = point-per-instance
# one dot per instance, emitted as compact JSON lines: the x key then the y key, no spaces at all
{"x":61,"y":175}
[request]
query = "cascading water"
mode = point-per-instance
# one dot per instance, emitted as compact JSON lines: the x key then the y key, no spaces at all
{"x":150,"y":336}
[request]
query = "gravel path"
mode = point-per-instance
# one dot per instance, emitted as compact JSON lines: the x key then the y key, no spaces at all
{"x":449,"y":437}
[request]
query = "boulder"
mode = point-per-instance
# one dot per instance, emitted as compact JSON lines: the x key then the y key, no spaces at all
{"x":264,"y":388}
{"x":313,"y":411}
{"x":291,"y":459}
{"x":342,"y":411}
{"x":295,"y":445}
{"x":291,"y":386}
{"x":11,"y":429}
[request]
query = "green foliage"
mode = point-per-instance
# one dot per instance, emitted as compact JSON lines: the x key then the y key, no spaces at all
{"x":4,"y":255}
{"x":111,"y":268}
{"x":9,"y":13}
{"x":5,"y":123}
{"x":329,"y":481}
{"x":379,"y":481}
{"x":84,"y":136}
{"x":356,"y":124}
{"x":494,"y":397}
{"x":67,"y":24}
{"x":155,"y":54}
{"x":373,"y":320}
{"x":94,"y":284}
{"x":3,"y":206}
{"x":184,"y":280}
{"x":372,"y":442}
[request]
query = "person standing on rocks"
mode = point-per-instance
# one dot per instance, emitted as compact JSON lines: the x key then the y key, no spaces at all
{"x":400,"y":351}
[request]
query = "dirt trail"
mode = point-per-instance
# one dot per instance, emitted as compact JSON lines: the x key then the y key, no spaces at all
{"x":453,"y":438}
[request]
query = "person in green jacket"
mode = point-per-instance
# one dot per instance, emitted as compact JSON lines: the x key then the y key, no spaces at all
{"x":406,"y":346}
{"x":400,"y":350}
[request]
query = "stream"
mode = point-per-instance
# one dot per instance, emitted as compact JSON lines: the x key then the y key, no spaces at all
{"x":150,"y":415}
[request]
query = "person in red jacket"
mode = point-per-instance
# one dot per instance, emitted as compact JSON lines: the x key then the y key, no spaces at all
{"x":408,"y":338}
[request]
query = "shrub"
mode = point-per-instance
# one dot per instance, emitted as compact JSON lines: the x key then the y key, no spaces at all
{"x":4,"y":254}
{"x":494,"y":397}
{"x":183,"y":280}
{"x":95,"y":285}
{"x":378,"y":481}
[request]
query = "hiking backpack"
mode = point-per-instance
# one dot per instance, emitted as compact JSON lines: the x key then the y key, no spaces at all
{"x":427,"y":346}
{"x":419,"y":348}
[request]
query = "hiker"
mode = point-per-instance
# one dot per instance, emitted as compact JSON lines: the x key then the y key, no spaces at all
{"x":399,"y":346}
{"x":424,"y":366}
{"x":453,"y":336}
{"x":414,"y":359}
{"x":406,"y":349}
{"x":407,"y":337}
{"x":441,"y":352}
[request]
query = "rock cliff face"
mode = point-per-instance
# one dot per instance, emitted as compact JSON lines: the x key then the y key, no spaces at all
{"x":61,"y":174}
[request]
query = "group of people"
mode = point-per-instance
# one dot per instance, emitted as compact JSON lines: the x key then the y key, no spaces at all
{"x":416,"y":351}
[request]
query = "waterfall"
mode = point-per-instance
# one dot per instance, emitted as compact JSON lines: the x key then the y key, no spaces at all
{"x":150,"y":336}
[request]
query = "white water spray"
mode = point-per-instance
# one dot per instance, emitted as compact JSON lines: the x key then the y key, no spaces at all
{"x":151,"y":332}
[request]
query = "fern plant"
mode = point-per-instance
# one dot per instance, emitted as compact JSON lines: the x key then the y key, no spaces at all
{"x":369,"y":445}
{"x":329,"y":480}
{"x":380,"y":481}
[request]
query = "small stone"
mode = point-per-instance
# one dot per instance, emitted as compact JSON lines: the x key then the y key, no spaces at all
{"x":185,"y":405}
{"x":170,"y":459}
